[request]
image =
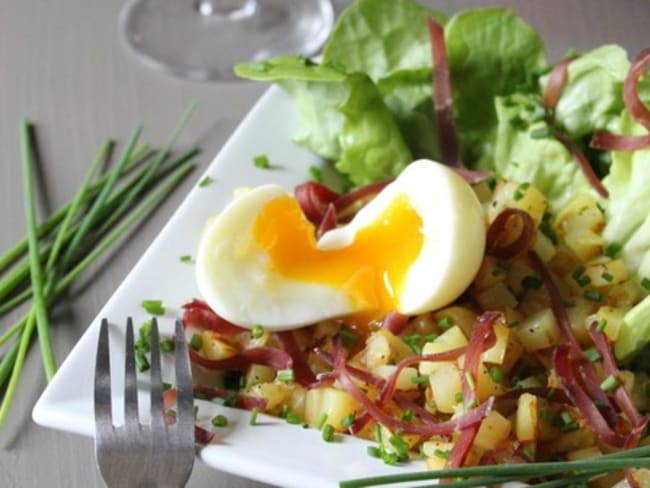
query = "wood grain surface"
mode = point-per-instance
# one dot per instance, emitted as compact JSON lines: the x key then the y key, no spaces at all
{"x":63,"y":67}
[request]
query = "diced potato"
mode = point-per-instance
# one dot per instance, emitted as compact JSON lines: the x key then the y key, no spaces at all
{"x":336,"y":404}
{"x":489,"y":274}
{"x":544,"y":247}
{"x":383,"y":347}
{"x":297,"y":398}
{"x":259,"y":373}
{"x":497,"y":296}
{"x":497,"y":353}
{"x":577,"y":313}
{"x":510,"y":194}
{"x":539,"y":331}
{"x":624,"y":294}
{"x":403,"y":380}
{"x":606,"y":274}
{"x":275,"y":394}
{"x":612,"y":317}
{"x":572,"y":441}
{"x":513,"y":352}
{"x":519,"y":271}
{"x":462,"y":317}
{"x":584,"y":453}
{"x":495,"y":429}
{"x":581,"y":212}
{"x":527,"y":418}
{"x":452,"y":338}
{"x":446,"y":386}
{"x":215,"y":346}
{"x":436,"y":452}
{"x":584,"y":243}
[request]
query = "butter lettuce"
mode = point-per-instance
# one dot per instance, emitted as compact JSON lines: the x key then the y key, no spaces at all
{"x":492,"y":52}
{"x":593,"y":95}
{"x":372,"y":146}
{"x":542,"y":161}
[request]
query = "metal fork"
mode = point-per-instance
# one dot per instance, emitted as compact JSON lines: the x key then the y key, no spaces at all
{"x":137,"y":455}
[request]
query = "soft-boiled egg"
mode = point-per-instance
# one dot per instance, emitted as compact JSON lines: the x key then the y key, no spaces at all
{"x":414,"y":248}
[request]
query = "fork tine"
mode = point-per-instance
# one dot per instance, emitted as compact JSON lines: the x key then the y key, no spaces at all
{"x":184,"y":397}
{"x":157,"y":419}
{"x":103,"y":411}
{"x":130,"y":380}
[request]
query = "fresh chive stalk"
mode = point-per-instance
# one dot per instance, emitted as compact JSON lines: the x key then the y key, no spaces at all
{"x":39,"y":307}
{"x":78,"y":239}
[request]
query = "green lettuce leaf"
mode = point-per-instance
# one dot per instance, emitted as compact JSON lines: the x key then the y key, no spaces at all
{"x":291,"y":67}
{"x":407,"y":94}
{"x":491,"y":52}
{"x":372,"y":145}
{"x":593,"y":95}
{"x":379,"y":37}
{"x":542,"y":161}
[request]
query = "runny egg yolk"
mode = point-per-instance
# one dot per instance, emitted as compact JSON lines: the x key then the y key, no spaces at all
{"x":371,"y":270}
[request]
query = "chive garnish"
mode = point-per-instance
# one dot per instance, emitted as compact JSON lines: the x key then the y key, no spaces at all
{"x":253,"y":418}
{"x":196,"y":342}
{"x":592,"y":354}
{"x":205,"y":181}
{"x":496,"y":373}
{"x":593,"y":295}
{"x":153,"y":307}
{"x":645,"y":283}
{"x":612,"y":249}
{"x":347,"y":421}
{"x":609,"y":384}
{"x":321,"y":421}
{"x":257,"y":331}
{"x":445,"y":323}
{"x":219,"y":420}
{"x":185,"y":258}
{"x":293,"y":418}
{"x":348,"y":337}
{"x":419,"y":379}
{"x":328,"y":433}
{"x":286,"y":375}
{"x":262,"y":161}
{"x":602,"y":323}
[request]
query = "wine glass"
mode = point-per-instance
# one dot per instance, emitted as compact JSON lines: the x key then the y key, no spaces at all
{"x":203,"y":39}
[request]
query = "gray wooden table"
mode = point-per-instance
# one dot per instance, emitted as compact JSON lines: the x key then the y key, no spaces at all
{"x":61,"y":65}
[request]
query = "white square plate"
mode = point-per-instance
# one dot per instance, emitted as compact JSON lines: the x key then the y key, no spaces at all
{"x":272,"y":451}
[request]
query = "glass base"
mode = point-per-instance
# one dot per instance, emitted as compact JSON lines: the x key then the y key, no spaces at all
{"x":196,"y":40}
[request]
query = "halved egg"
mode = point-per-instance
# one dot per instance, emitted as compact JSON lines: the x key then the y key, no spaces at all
{"x":414,"y":248}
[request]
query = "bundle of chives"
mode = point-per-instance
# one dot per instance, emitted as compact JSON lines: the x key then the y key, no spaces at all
{"x":552,"y":474}
{"x":60,"y":249}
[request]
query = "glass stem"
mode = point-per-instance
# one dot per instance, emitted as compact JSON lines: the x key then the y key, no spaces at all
{"x":226,"y":9}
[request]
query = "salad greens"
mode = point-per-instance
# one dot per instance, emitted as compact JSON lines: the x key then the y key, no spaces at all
{"x":368,"y":108}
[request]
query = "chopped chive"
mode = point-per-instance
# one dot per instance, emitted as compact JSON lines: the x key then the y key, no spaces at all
{"x":328,"y":433}
{"x":347,"y":421}
{"x":496,"y":373}
{"x":442,"y":454}
{"x":520,"y":191}
{"x":253,"y":418}
{"x":219,"y":420}
{"x":445,"y":323}
{"x":286,"y":375}
{"x":541,"y":132}
{"x":348,"y":337}
{"x":531,"y":282}
{"x":185,"y":258}
{"x":569,"y":303}
{"x":205,"y":181}
{"x":602,"y":323}
{"x":607,"y":276}
{"x":166,"y":344}
{"x":166,"y":386}
{"x":566,"y":418}
{"x":578,"y":272}
{"x":470,"y":380}
{"x":413,"y":341}
{"x":430,"y":337}
{"x":612,"y":249}
{"x":316,"y":174}
{"x":593,"y":295}
{"x":407,"y":415}
{"x":257,"y":331}
{"x":321,"y":420}
{"x":153,"y":307}
{"x":583,"y":281}
{"x":572,"y":427}
{"x":141,"y":361}
{"x":546,"y":414}
{"x":592,"y":354}
{"x":645,"y":283}
{"x":458,"y":397}
{"x":293,"y":418}
{"x":285,"y":411}
{"x":419,"y":379}
{"x":262,"y":161}
{"x":374,"y":451}
{"x":609,"y":384}
{"x":196,"y":342}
